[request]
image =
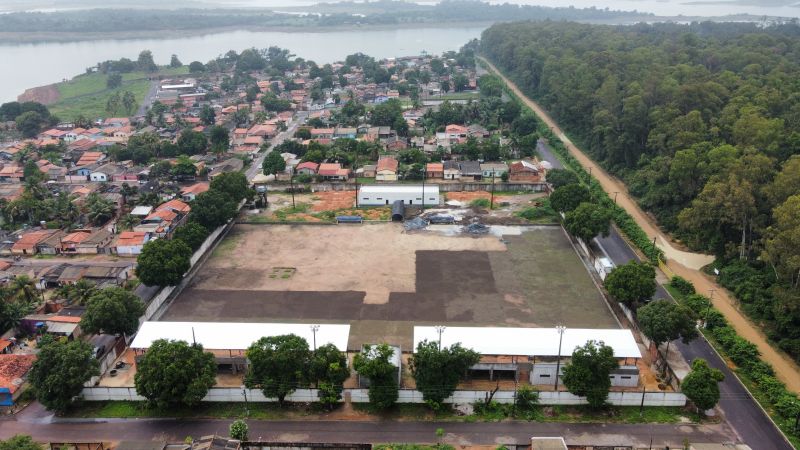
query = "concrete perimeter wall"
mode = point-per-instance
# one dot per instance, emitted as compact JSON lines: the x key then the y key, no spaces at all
{"x":219,"y":394}
{"x":443,"y":187}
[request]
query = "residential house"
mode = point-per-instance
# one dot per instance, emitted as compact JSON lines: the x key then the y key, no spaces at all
{"x":333,"y":172}
{"x":494,"y":170}
{"x":395,"y":143}
{"x":88,"y":158}
{"x":307,"y":168}
{"x":451,"y":170}
{"x":477,"y":131}
{"x":12,"y":173}
{"x":50,"y":245}
{"x":387,"y":169}
{"x":98,"y":241}
{"x":470,"y":170}
{"x":345,"y":133}
{"x":105,"y":173}
{"x":27,"y":243}
{"x":434,"y":170}
{"x":322,"y":133}
{"x":13,"y":370}
{"x":130,"y":243}
{"x":525,"y":172}
{"x":189,"y":193}
{"x":367,"y":171}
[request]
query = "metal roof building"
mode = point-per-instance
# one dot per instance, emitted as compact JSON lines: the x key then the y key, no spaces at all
{"x":409,"y":194}
{"x":237,"y":336}
{"x":530,"y":341}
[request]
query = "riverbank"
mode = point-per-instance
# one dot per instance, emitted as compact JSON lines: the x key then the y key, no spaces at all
{"x":17,"y":38}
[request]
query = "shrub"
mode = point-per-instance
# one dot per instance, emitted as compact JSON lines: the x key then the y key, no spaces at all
{"x":238,"y":430}
{"x":682,"y":285}
{"x":479,"y":203}
{"x":698,"y":303}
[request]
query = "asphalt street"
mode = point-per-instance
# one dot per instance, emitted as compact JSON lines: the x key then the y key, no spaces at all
{"x":255,"y":167}
{"x":750,"y":422}
{"x":41,"y":426}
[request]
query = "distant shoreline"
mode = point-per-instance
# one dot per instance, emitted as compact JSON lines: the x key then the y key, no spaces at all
{"x":33,"y":38}
{"x":20,"y":38}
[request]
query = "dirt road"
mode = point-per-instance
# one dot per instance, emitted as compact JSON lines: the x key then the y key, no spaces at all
{"x":685,"y":264}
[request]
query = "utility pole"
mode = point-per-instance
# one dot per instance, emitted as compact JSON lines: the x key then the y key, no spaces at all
{"x":291,"y":183}
{"x":708,"y":308}
{"x":440,"y":329}
{"x":424,"y":173}
{"x":491,"y":203}
{"x":615,"y":197}
{"x":641,"y":406}
{"x":314,"y":329}
{"x":560,"y":329}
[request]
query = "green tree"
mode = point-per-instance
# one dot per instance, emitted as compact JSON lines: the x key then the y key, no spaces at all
{"x":174,"y":62}
{"x":12,"y":312}
{"x":278,"y":365}
{"x":184,"y":168}
{"x":375,"y":364}
{"x":568,"y":197}
{"x":196,"y":67}
{"x":192,"y":143}
{"x":60,"y":371}
{"x":145,"y":61}
{"x":24,"y":289}
{"x":587,"y":221}
{"x":99,"y":210}
{"x":175,"y":373}
{"x":193,"y":234}
{"x":30,"y":123}
{"x":208,"y":116}
{"x":213,"y":209}
{"x":562,"y":177}
{"x":114,"y":80}
{"x":701,"y":385}
{"x":437,"y":372}
{"x":219,"y":139}
{"x":587,"y":373}
{"x":234,"y":184}
{"x":238,"y":430}
{"x":664,"y":321}
{"x":329,"y":371}
{"x":20,"y":442}
{"x":273,"y":164}
{"x":112,"y":310}
{"x":631,"y":283}
{"x":782,"y":243}
{"x":163,"y":262}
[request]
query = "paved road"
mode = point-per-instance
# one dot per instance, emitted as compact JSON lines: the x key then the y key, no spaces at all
{"x":255,"y":167}
{"x":751,"y":424}
{"x":148,"y":98}
{"x":38,"y":423}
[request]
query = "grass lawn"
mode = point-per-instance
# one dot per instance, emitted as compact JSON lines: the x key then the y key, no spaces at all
{"x":407,"y":412}
{"x":87,"y":94}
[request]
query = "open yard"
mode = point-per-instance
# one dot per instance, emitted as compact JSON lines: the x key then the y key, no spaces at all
{"x":383,"y":280}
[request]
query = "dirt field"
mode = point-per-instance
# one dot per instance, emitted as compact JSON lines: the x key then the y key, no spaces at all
{"x":383,"y":281}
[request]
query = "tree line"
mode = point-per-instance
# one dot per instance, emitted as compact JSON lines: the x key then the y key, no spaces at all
{"x":702,"y":123}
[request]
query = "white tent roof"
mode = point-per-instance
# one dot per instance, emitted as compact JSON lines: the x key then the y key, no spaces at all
{"x":237,"y":336}
{"x":529,"y":341}
{"x":399,"y":189}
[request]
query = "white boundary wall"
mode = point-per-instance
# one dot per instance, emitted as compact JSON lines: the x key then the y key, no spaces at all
{"x":219,"y":394}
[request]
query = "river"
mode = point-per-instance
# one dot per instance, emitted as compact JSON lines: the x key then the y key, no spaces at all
{"x":30,"y":65}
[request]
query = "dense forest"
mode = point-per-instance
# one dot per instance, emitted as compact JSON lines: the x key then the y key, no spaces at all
{"x":701,"y":121}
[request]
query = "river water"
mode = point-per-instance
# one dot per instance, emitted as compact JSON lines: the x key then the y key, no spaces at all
{"x":30,"y":65}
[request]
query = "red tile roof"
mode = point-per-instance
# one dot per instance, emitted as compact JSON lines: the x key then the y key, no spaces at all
{"x":13,"y":368}
{"x":387,"y":164}
{"x":131,"y":238}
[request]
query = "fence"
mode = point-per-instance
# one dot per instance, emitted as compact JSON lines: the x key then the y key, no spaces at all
{"x":223,"y":394}
{"x":443,"y":187}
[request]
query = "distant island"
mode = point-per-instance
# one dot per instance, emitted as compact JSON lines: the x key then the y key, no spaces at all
{"x":137,"y":23}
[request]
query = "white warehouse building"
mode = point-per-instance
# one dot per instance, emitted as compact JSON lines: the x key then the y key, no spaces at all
{"x":412,"y":194}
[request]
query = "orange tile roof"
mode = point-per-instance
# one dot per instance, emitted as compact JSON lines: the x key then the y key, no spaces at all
{"x":176,"y":205}
{"x":387,"y":164}
{"x":196,"y":188}
{"x":131,"y":238}
{"x":13,"y":368}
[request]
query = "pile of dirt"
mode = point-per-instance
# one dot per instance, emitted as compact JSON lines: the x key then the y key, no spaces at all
{"x":46,"y":95}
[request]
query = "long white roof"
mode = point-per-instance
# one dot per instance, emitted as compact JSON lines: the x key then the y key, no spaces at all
{"x":529,"y":341}
{"x":237,"y":336}
{"x":398,"y":189}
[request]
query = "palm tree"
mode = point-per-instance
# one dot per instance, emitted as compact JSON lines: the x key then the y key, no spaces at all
{"x":83,"y":290}
{"x":127,"y":222}
{"x":98,"y":209}
{"x":11,"y":314}
{"x":24,"y":288}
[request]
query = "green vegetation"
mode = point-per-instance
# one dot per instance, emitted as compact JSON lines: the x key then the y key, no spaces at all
{"x":437,"y":371}
{"x":709,"y":150}
{"x":174,"y":373}
{"x":374,"y":363}
{"x":87,"y":95}
{"x":112,"y":310}
{"x":587,"y":372}
{"x":60,"y":370}
{"x":542,"y":213}
{"x":759,"y":377}
{"x":480,"y":203}
{"x":163,"y":262}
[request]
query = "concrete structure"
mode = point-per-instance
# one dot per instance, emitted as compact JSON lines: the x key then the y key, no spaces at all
{"x":374,"y":195}
{"x":515,"y":351}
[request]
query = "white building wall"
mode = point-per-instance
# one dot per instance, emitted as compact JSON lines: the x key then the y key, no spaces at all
{"x":388,"y":197}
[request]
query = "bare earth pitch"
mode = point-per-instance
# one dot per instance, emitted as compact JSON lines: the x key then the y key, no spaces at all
{"x":382,"y":280}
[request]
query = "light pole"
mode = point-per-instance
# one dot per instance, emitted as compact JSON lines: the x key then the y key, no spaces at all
{"x":590,"y":170}
{"x":246,"y":407}
{"x":491,"y":203}
{"x":708,"y":308}
{"x":560,"y":329}
{"x":440,"y":329}
{"x":291,"y":183}
{"x":314,"y":329}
